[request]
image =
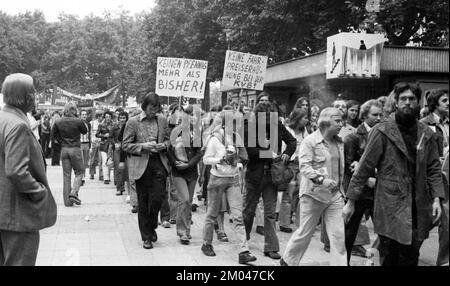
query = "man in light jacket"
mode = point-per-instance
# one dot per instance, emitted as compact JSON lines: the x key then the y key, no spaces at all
{"x":321,"y":160}
{"x":26,"y":203}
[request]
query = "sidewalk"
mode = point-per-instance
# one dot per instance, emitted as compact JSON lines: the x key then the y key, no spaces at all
{"x":103,"y":232}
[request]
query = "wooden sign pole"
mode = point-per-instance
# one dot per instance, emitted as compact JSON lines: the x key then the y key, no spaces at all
{"x":239,"y":98}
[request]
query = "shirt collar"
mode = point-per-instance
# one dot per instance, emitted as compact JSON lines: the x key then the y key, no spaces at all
{"x":143,"y":116}
{"x":18,"y":112}
{"x":368,"y":128}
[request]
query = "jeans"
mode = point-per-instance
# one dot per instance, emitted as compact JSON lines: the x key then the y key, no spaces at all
{"x":353,"y":226}
{"x":85,"y":156}
{"x":106,"y":169}
{"x":310,"y":213}
{"x":443,"y":236}
{"x":269,"y":196}
{"x":18,"y":248}
{"x":95,"y":159}
{"x":259,"y":213}
{"x":119,"y":175}
{"x":150,"y":188}
{"x":393,"y":253}
{"x":71,"y":158}
{"x":287,"y":205}
{"x":165,"y":214}
{"x":185,"y":190}
{"x":56,"y":154}
{"x":216,"y":187}
{"x":45,"y":140}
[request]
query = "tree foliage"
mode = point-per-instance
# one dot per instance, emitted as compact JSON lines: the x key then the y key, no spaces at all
{"x":92,"y":54}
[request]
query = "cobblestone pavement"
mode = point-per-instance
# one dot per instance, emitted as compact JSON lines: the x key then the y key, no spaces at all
{"x":103,"y":232}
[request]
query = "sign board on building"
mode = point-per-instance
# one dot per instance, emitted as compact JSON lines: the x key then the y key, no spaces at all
{"x":354,"y":55}
{"x":243,"y":71}
{"x":177,"y":77}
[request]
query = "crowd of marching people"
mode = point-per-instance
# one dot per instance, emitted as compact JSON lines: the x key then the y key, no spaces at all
{"x":337,"y":167}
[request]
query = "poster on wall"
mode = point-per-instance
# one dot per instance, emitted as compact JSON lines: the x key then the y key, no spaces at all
{"x":243,"y":71}
{"x":177,"y":77}
{"x":354,"y":55}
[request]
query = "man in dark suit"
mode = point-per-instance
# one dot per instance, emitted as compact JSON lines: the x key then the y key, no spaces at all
{"x":26,"y":203}
{"x":146,"y":138}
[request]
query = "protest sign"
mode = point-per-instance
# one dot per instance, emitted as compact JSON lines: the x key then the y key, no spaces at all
{"x":181,"y":77}
{"x":244,"y":71}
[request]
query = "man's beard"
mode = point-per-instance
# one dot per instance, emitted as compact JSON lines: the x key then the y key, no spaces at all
{"x":407,"y":119}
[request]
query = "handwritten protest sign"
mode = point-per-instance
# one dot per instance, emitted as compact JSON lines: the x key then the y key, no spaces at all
{"x":245,"y":71}
{"x":181,"y":77}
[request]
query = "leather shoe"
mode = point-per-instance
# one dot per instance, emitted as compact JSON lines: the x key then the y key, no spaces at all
{"x":286,"y":229}
{"x":326,"y":248}
{"x":134,"y":209}
{"x":75,"y":200}
{"x":154,"y":236}
{"x":283,"y":263}
{"x":184,"y":240}
{"x":148,"y":244}
{"x":272,"y":254}
{"x":246,"y":257}
{"x":208,"y":250}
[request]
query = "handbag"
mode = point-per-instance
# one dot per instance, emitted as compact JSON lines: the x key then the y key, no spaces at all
{"x":281,"y":174}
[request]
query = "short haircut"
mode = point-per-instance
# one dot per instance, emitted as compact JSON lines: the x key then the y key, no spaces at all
{"x":70,"y":109}
{"x":325,"y":116}
{"x":404,"y":86}
{"x":124,"y":113}
{"x":84,"y":110}
{"x":17,"y":90}
{"x":365,"y":108}
{"x":108,"y":112}
{"x":152,"y":99}
{"x":352,"y":102}
{"x":433,"y":98}
{"x":262,"y":94}
{"x":120,"y":109}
